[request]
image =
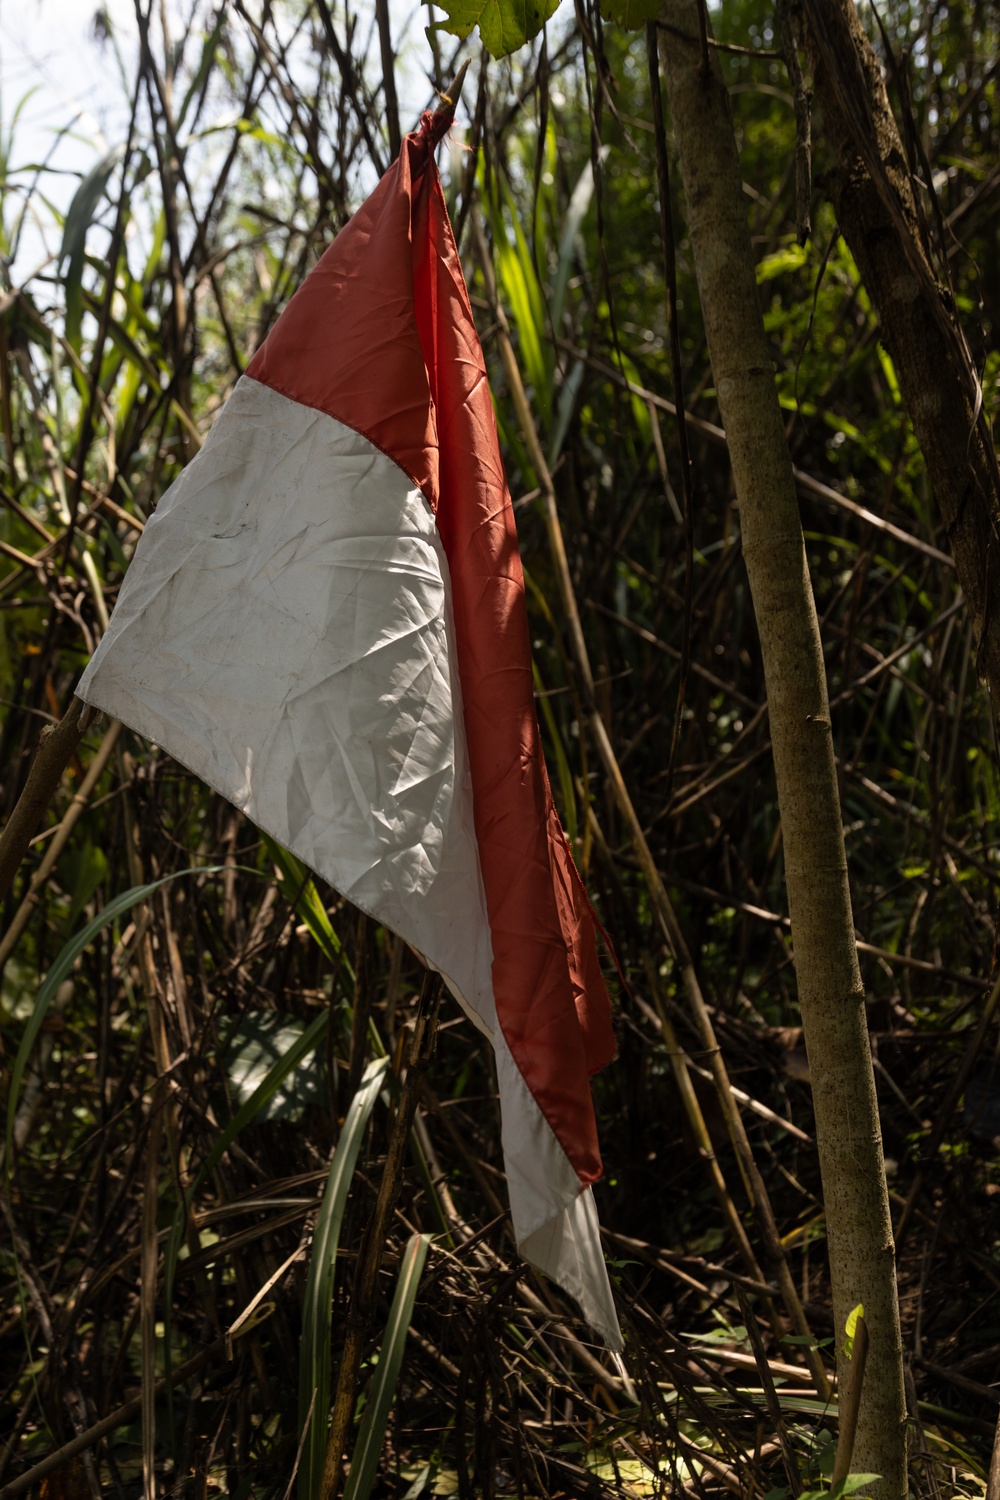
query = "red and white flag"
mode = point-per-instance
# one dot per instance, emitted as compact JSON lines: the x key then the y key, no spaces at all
{"x":325,"y":621}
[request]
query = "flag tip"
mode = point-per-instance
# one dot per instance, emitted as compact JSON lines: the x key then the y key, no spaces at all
{"x":449,"y":100}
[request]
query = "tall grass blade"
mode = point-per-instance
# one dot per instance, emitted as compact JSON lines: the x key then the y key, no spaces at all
{"x":575,"y":214}
{"x":364,"y":1462}
{"x":564,"y":411}
{"x":314,"y":1357}
{"x":79,"y":218}
{"x":299,"y":887}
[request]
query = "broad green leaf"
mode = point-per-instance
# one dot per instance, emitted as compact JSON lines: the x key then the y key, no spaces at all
{"x":258,"y":133}
{"x":564,"y":411}
{"x":126,"y":344}
{"x":421,"y":1480}
{"x":364,"y":1460}
{"x":81,"y":871}
{"x":504,"y":25}
{"x":724,"y":1335}
{"x":630,"y":13}
{"x":642,"y":1478}
{"x":640,"y":411}
{"x":852,"y":1483}
{"x":253,"y":1043}
{"x":889,"y":371}
{"x":520,"y":290}
{"x":790,"y":258}
{"x":124,"y":399}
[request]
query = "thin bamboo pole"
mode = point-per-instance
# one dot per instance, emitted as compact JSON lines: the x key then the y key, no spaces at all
{"x":122,"y":1415}
{"x":58,"y":842}
{"x":56,"y":747}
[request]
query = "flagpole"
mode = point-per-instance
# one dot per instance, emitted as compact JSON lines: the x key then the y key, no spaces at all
{"x":56,"y":747}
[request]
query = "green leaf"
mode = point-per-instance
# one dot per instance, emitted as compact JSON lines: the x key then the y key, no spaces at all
{"x":641,"y":1478}
{"x":725,"y":1335}
{"x":199,"y":79}
{"x":564,"y":412}
{"x":253,"y":1043}
{"x":79,"y":218}
{"x":630,"y":13}
{"x":576,"y":212}
{"x":314,"y":1354}
{"x":522,"y":293}
{"x":420,"y":1482}
{"x":791,"y":258}
{"x":81,"y":871}
{"x":852,"y":1483}
{"x":299,"y":888}
{"x":504,"y":25}
{"x":850,"y":1327}
{"x":257,"y":132}
{"x":364,"y":1461}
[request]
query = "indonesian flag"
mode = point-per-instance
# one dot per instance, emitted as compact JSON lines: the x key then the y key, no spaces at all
{"x":325,"y":621}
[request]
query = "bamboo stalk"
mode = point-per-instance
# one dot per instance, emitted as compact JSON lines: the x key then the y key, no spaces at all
{"x":696,"y":1119}
{"x":122,"y":1415}
{"x":147,"y":1287}
{"x":56,"y":747}
{"x":59,"y":840}
{"x":770,"y":1394}
{"x":947,"y":1110}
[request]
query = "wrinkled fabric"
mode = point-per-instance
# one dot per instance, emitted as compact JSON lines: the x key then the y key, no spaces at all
{"x":325,"y":620}
{"x":381,"y":337}
{"x":284,"y":632}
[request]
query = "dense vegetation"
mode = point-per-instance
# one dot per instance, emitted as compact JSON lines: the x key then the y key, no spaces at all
{"x":146,"y":1201}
